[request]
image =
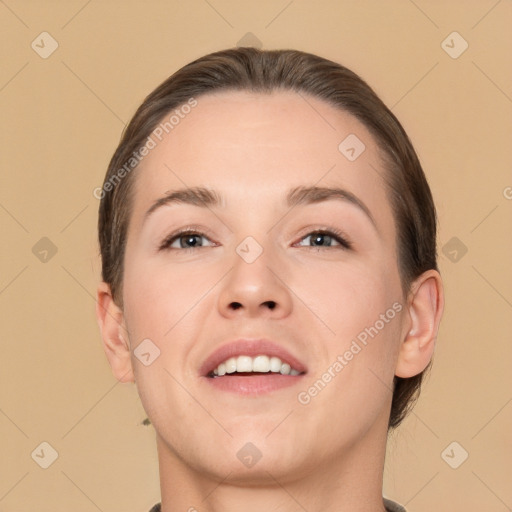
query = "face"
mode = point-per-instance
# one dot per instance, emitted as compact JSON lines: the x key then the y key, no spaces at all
{"x":312,"y":273}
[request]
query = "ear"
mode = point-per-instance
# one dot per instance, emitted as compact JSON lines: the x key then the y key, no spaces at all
{"x":425,"y":304}
{"x":113,"y":332}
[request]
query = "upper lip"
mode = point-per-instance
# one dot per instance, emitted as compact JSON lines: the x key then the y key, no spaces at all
{"x":249,"y":347}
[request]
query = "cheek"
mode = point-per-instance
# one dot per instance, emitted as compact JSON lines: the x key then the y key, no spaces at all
{"x":165,"y":304}
{"x":348,"y":298}
{"x":361,"y":310}
{"x":157,"y":296}
{"x":354,"y":376}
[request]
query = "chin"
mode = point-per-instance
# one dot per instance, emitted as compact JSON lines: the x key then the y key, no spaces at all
{"x":253,"y":460}
{"x":261,"y":470}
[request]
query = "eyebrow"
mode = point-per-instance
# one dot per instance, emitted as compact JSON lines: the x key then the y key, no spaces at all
{"x":299,"y":196}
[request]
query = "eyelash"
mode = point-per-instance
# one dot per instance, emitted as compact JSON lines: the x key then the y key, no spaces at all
{"x":337,"y":235}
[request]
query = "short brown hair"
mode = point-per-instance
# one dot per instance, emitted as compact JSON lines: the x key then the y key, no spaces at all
{"x":250,"y":69}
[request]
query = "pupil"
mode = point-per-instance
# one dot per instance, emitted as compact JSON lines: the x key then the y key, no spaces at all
{"x":191,"y":239}
{"x":320,"y":238}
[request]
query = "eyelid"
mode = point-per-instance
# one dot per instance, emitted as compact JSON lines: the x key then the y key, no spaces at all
{"x":340,"y":236}
{"x":191,"y":229}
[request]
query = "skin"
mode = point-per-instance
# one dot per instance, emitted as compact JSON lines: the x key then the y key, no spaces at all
{"x":329,"y":454}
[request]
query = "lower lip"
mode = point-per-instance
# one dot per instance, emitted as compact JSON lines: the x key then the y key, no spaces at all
{"x":253,"y":385}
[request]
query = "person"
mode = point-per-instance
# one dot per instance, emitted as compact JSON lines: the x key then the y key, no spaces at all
{"x":269,"y":281}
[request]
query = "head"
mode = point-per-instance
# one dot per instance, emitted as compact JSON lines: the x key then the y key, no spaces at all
{"x":252,"y":125}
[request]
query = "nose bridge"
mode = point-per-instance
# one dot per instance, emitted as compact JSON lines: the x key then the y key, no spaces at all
{"x":253,"y":287}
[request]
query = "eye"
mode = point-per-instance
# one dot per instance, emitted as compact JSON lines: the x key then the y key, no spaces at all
{"x":324,"y":238}
{"x":189,"y":239}
{"x":184,"y":240}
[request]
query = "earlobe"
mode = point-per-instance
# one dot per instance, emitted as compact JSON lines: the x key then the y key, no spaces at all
{"x":115,"y":340}
{"x":426,"y":306}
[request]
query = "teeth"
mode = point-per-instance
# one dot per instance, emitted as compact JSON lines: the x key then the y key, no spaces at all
{"x":285,"y":369}
{"x":230,"y":365}
{"x":261,"y":363}
{"x":275,"y":364}
{"x":244,"y":364}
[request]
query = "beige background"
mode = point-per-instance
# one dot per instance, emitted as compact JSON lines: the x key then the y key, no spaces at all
{"x":62,"y":118}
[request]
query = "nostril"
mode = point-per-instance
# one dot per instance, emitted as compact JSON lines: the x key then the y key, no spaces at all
{"x":270,"y":303}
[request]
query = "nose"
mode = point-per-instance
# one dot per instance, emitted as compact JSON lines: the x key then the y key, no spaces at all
{"x":256,"y":289}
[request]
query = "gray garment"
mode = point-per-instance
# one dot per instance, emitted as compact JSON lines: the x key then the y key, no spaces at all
{"x":391,"y":506}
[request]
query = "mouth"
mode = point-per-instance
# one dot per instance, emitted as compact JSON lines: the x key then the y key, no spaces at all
{"x":244,"y":365}
{"x":252,"y":367}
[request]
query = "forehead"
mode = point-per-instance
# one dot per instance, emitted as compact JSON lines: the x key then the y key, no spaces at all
{"x":256,"y":146}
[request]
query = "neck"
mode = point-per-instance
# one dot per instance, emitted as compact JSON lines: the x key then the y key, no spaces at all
{"x":351,"y":480}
